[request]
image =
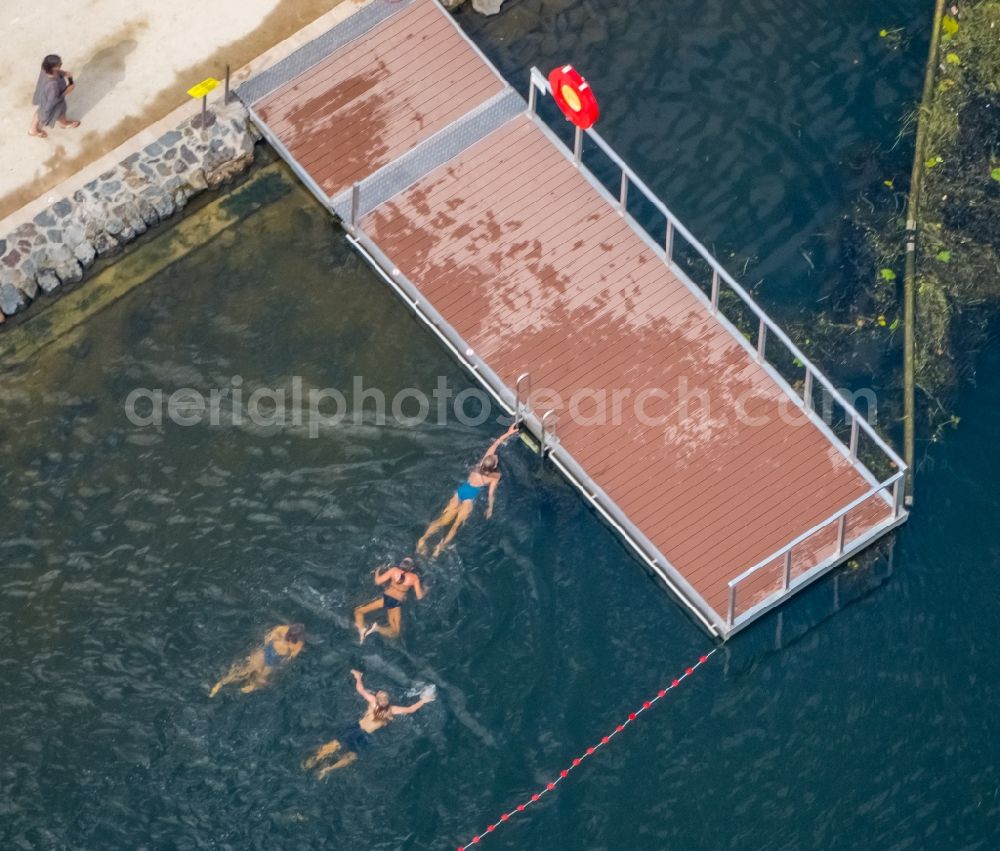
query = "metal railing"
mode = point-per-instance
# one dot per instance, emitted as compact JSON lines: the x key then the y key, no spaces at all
{"x":784,"y":556}
{"x":767,"y":331}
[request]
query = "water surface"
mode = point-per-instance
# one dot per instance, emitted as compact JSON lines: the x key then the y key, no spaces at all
{"x":139,"y":562}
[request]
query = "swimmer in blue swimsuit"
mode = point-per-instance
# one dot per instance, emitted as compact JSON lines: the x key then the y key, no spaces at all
{"x":356,"y":737}
{"x":486,"y":475}
{"x":398,"y":580}
{"x":281,"y":645}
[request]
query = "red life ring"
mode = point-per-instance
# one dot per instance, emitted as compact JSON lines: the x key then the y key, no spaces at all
{"x":574,"y":96}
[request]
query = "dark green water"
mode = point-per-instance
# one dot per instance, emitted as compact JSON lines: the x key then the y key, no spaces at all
{"x":138,"y":563}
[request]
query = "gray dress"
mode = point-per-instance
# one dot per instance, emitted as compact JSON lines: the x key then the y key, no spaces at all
{"x":50,"y":98}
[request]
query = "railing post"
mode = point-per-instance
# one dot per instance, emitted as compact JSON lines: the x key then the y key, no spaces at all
{"x":854,"y":437}
{"x":897,"y":497}
{"x":807,"y":390}
{"x":546,"y":430}
{"x":788,"y":570}
{"x":524,"y":376}
{"x":842,"y":533}
{"x":732,"y":606}
{"x":715,"y":290}
{"x":623,"y":195}
{"x":532,"y":96}
{"x":578,"y":146}
{"x":668,"y":243}
{"x":225,"y":97}
{"x":355,"y":204}
{"x":761,"y":339}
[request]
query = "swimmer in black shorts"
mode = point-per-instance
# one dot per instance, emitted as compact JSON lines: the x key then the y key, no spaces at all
{"x":398,"y":579}
{"x":356,"y":737}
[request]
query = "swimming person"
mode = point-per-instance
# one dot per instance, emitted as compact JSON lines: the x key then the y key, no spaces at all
{"x":281,"y":645}
{"x":356,"y":737}
{"x":398,"y":580}
{"x":486,"y":474}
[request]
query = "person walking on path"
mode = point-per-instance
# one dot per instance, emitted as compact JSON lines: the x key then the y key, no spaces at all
{"x":50,"y":97}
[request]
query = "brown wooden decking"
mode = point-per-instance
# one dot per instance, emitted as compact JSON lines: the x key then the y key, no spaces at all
{"x":527,"y":263}
{"x":376,"y":98}
{"x":539,"y":274}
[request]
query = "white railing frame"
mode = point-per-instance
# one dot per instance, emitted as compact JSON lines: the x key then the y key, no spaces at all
{"x":719,"y":273}
{"x":767,"y":328}
{"x":785,"y":552}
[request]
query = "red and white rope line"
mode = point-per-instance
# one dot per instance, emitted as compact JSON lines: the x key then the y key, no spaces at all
{"x":605,"y":740}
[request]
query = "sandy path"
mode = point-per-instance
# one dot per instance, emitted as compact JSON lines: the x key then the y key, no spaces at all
{"x":132,"y":61}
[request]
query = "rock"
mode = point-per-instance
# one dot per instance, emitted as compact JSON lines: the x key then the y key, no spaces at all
{"x":160,"y":200}
{"x":73,"y":235}
{"x":134,"y":223}
{"x":197,"y":180}
{"x":171,"y":137}
{"x":45,"y":219}
{"x":16,"y":278}
{"x":85,"y":254}
{"x":70,"y":272}
{"x":47,"y":280}
{"x":12,"y":300}
{"x":114,"y":225}
{"x":487,"y":7}
{"x":147,"y":211}
{"x":62,"y":208}
{"x":105,"y":244}
{"x":452,"y":4}
{"x":11,"y":258}
{"x":60,"y":262}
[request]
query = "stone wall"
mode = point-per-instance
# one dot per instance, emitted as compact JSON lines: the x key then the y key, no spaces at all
{"x":146,"y":188}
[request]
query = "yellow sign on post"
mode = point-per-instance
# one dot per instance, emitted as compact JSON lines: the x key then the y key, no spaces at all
{"x":203,"y":88}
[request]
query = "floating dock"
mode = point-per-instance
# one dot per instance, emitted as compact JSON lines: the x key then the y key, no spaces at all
{"x":651,"y":379}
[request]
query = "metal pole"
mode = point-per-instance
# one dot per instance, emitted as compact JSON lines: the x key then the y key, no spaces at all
{"x":225,"y":98}
{"x":524,"y":376}
{"x":578,"y":146}
{"x":788,"y":570}
{"x":355,"y":204}
{"x":807,"y":390}
{"x":532,"y":96}
{"x":204,"y":118}
{"x":854,"y":437}
{"x":842,"y":533}
{"x":732,"y":606}
{"x":897,"y":498}
{"x":761,"y":339}
{"x":668,"y":243}
{"x":623,"y":195}
{"x":545,"y":432}
{"x":715,"y":291}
